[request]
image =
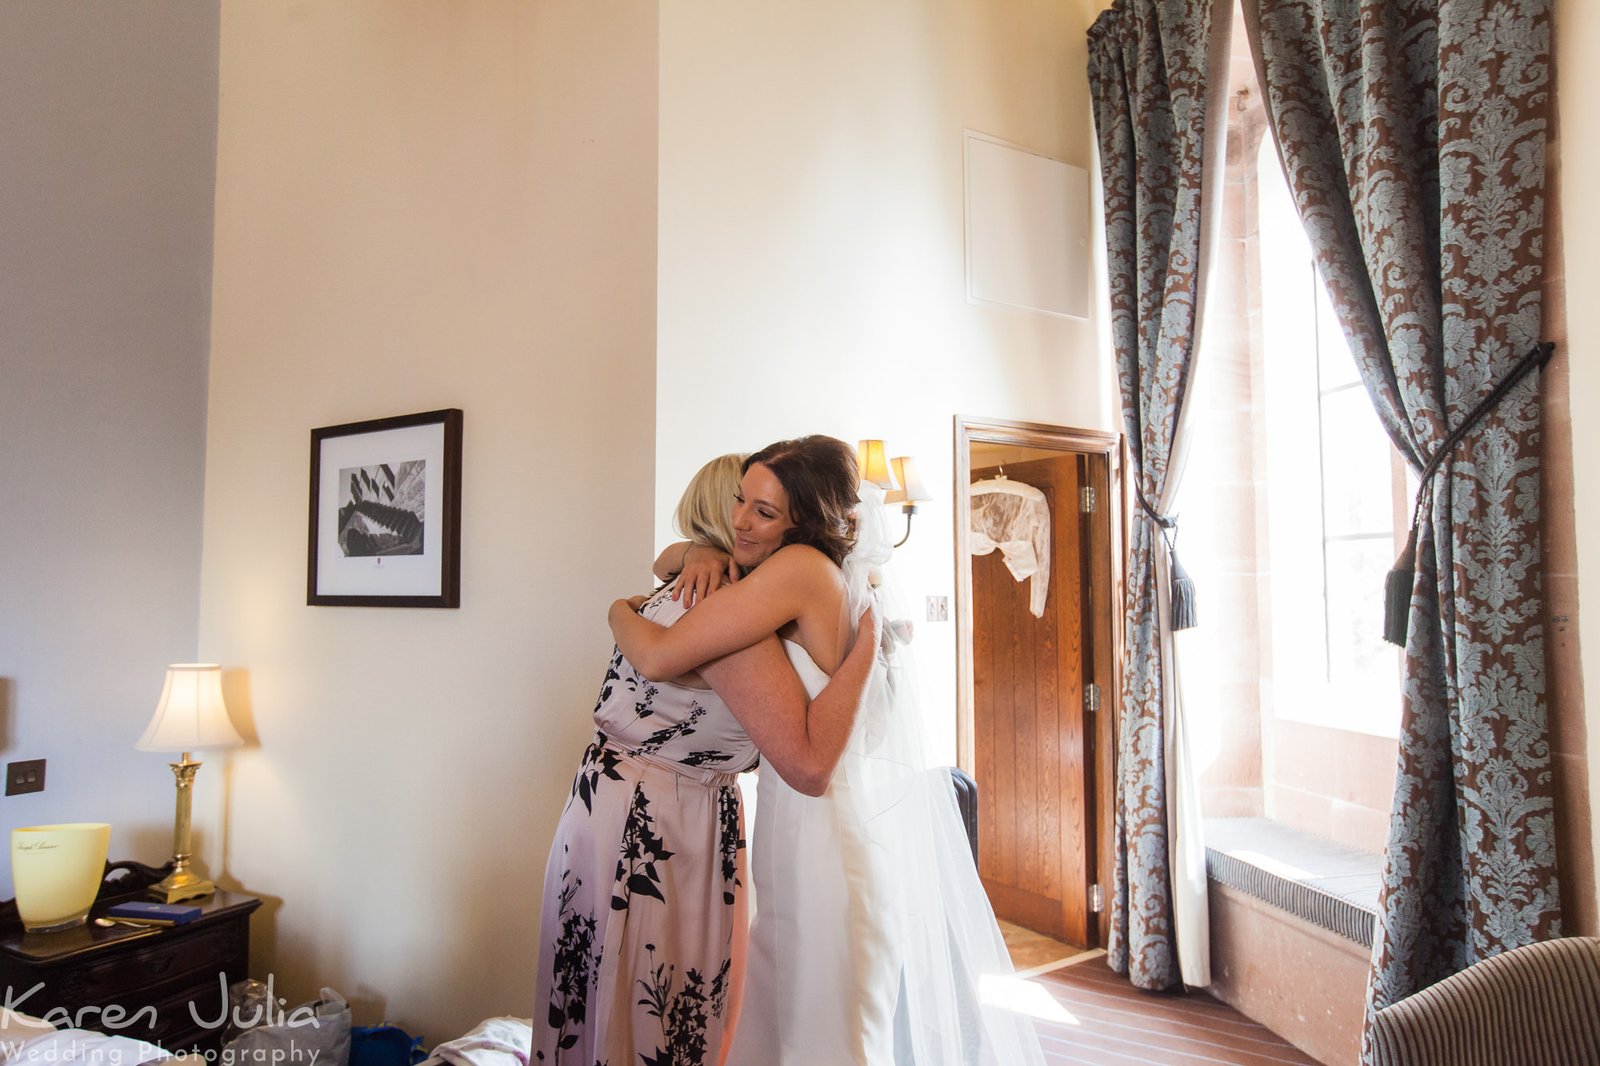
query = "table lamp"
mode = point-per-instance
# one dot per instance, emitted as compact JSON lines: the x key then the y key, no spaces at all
{"x":190,"y":716}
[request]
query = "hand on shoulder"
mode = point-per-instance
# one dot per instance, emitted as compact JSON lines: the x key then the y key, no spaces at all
{"x":702,"y":571}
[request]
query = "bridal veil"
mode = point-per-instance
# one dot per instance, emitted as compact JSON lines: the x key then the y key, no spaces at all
{"x":919,"y":908}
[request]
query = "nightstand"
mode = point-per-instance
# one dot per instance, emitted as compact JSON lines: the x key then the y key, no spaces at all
{"x":167,"y":985}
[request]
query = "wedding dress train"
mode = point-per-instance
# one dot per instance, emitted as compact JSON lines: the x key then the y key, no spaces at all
{"x":873,"y":942}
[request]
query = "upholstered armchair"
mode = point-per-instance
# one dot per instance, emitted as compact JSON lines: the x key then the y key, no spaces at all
{"x":1537,"y":1005}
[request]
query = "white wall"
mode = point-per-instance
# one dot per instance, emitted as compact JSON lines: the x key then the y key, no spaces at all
{"x":423,"y":205}
{"x":811,"y":242}
{"x":107,"y":148}
{"x":1577,"y":87}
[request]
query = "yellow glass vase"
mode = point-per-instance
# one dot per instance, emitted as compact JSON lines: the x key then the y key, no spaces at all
{"x":56,"y":871}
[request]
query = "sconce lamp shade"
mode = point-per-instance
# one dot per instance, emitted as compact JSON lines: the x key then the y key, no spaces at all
{"x":190,"y":716}
{"x":911,"y":489}
{"x":874,"y":464}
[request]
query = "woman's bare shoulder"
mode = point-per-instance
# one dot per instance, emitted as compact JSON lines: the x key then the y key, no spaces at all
{"x":802,"y":565}
{"x":799,"y":557}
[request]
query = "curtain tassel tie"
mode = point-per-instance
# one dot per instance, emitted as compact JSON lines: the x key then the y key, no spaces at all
{"x":1183,"y":609}
{"x":1397,"y":593}
{"x":1398,"y":585}
{"x":1183,"y":614}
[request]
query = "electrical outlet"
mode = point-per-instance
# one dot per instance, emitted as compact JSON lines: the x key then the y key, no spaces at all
{"x":26,"y":776}
{"x":938,"y":608}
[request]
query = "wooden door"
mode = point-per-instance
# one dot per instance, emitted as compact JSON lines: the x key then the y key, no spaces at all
{"x":1031,"y":748}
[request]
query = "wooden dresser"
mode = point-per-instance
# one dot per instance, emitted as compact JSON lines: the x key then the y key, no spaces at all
{"x":166,"y":985}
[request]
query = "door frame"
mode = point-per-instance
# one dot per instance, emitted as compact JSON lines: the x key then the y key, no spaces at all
{"x":1108,"y":535}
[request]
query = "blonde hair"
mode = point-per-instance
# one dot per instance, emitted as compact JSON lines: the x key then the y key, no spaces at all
{"x":705,"y":513}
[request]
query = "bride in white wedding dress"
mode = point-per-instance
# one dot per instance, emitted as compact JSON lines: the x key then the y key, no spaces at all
{"x":872,"y":942}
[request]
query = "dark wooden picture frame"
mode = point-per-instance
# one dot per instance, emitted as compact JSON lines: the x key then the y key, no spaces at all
{"x":386,"y":513}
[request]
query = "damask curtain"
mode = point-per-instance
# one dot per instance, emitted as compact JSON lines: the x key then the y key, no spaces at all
{"x":1154,"y":75}
{"x":1413,"y":133}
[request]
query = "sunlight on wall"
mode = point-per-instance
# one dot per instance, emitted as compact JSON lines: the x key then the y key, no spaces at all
{"x":423,"y":206}
{"x":811,"y":245}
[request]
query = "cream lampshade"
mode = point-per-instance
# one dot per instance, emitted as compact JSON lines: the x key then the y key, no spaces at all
{"x":911,"y":489}
{"x":909,"y":494}
{"x":190,"y":716}
{"x":873,"y":461}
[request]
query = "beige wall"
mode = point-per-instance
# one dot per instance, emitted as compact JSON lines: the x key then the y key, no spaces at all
{"x":812,"y":243}
{"x":423,"y":205}
{"x":1578,"y":86}
{"x":107,"y":151}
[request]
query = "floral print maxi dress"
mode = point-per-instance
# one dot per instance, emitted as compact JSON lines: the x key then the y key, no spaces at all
{"x":643,"y":879}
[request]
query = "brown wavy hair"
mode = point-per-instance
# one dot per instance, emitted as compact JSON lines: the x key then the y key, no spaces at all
{"x":819,"y":474}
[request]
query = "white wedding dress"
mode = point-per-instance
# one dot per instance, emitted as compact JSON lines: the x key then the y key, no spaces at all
{"x":873,"y":943}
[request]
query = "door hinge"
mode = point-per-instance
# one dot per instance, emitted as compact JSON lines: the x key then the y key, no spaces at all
{"x":1097,"y":899}
{"x":1091,"y":697}
{"x":1086,"y":499}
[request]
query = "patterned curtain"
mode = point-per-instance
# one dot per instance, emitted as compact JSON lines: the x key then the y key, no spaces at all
{"x":1413,"y":133}
{"x":1154,"y":74}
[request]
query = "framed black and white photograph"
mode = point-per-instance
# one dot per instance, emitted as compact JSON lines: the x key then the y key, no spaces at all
{"x":386,"y":513}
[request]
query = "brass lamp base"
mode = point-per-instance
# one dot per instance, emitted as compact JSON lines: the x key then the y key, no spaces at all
{"x":180,"y":885}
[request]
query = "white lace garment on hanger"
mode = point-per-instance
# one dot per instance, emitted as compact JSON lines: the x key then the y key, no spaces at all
{"x":1015,"y":518}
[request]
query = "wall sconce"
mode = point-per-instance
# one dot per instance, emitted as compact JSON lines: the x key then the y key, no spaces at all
{"x":910,"y":492}
{"x":190,"y":716}
{"x":897,"y":477}
{"x":872,"y":459}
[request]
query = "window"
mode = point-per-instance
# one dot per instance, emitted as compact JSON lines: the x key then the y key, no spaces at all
{"x":1294,"y":504}
{"x":1292,"y":507}
{"x":1336,"y":499}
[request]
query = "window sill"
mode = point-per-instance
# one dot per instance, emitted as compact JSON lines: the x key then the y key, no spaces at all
{"x":1322,"y":882}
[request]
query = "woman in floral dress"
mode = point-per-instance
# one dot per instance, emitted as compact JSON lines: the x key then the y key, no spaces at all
{"x":643,"y":888}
